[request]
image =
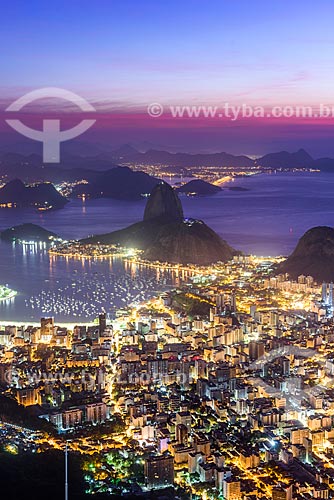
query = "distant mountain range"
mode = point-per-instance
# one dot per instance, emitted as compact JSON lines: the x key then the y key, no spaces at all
{"x":110,"y":175}
{"x":19,"y":165}
{"x":283,"y":159}
{"x":156,"y":157}
{"x":92,"y":168}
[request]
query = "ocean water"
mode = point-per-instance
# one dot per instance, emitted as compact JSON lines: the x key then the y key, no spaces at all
{"x":266,"y":219}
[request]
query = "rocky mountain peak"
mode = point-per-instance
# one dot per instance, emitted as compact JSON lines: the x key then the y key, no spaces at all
{"x":164,"y":203}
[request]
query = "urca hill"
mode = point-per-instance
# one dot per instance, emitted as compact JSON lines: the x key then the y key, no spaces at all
{"x":313,"y":255}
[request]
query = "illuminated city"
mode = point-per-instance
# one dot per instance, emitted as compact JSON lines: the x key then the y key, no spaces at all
{"x":179,"y":389}
{"x":167,"y":250}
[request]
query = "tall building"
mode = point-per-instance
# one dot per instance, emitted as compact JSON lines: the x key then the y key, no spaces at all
{"x":256,"y":349}
{"x":326,"y":292}
{"x":159,"y":471}
{"x":71,"y":418}
{"x":231,"y":489}
{"x":327,"y":298}
{"x":285,"y":365}
{"x":28,"y":396}
{"x":233,"y":302}
{"x":273,"y":318}
{"x":184,"y":417}
{"x":47,"y":329}
{"x":220,"y":301}
{"x":282,"y":493}
{"x":102,"y":323}
{"x":46,"y":325}
{"x":182,"y":434}
{"x":96,"y":413}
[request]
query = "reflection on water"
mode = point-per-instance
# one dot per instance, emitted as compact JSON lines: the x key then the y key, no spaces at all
{"x":76,"y":289}
{"x":268,"y":219}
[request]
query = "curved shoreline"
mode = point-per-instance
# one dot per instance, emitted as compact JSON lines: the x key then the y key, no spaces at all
{"x":10,"y":293}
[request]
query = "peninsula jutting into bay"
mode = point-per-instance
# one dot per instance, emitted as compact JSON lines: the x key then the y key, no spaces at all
{"x":28,"y":233}
{"x":43,"y":196}
{"x":165,"y":235}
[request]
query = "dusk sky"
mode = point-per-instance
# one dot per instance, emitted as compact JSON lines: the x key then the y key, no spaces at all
{"x":122,"y":56}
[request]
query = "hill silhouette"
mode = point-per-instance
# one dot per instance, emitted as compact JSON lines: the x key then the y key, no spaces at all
{"x":120,"y":183}
{"x":284,"y":159}
{"x":200,"y":187}
{"x":313,"y":255}
{"x":43,"y":195}
{"x":165,"y":235}
{"x":28,"y":232}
